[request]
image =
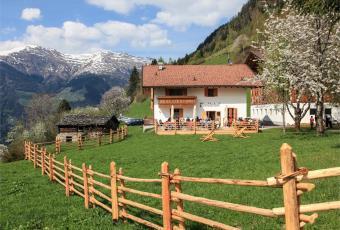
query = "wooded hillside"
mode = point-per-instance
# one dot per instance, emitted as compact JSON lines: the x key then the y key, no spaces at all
{"x":233,"y":39}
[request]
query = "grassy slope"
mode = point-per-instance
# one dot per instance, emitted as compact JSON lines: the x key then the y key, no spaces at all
{"x":140,"y":110}
{"x":30,"y":197}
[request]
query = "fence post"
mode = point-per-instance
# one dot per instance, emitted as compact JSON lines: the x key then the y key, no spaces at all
{"x":114,"y":136}
{"x":50,"y":159}
{"x":35,"y":155}
{"x":43,"y":154}
{"x":67,"y":185}
{"x":99,"y":138}
{"x":56,"y":144}
{"x":114,"y":195}
{"x":111,"y":136}
{"x":91,"y":186}
{"x":175,"y":127}
{"x":70,"y":174}
{"x":86,"y":189}
{"x":29,"y":150}
{"x":289,"y":189}
{"x":79,"y":142}
{"x":180,"y":207}
{"x":123,"y":194}
{"x":25,"y":150}
{"x":59,"y":149}
{"x":166,"y":201}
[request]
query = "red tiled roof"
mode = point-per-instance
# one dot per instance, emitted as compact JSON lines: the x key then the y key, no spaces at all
{"x":199,"y":75}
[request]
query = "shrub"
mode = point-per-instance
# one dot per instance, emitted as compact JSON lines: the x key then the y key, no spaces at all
{"x":15,"y":151}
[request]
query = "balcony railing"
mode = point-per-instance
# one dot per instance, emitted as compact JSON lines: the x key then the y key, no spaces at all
{"x":177,"y":100}
{"x":203,"y":126}
{"x":187,"y":126}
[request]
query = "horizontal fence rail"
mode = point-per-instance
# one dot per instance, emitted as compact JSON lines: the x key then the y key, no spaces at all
{"x":109,"y":191}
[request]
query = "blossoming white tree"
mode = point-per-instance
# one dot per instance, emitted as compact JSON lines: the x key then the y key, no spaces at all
{"x":302,"y":60}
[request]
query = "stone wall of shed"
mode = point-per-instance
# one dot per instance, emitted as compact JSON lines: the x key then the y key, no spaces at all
{"x":90,"y":134}
{"x":63,"y":136}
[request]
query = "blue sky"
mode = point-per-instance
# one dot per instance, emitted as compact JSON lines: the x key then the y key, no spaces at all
{"x":148,"y":28}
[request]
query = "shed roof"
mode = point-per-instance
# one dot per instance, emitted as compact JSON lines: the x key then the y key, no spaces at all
{"x":239,"y":75}
{"x":83,"y":120}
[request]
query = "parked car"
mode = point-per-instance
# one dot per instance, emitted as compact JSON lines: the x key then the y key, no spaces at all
{"x":131,"y":121}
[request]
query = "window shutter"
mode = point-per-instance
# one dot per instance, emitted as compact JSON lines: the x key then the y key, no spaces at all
{"x":206,"y":92}
{"x":216,"y":92}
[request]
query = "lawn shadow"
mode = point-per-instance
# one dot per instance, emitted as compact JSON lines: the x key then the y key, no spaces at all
{"x":336,"y":146}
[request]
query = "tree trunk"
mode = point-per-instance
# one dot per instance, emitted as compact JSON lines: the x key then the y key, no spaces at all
{"x":320,"y":127}
{"x":297,"y":123}
{"x":284,"y":118}
{"x":297,"y":119}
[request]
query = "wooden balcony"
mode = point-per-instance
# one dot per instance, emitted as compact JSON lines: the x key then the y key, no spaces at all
{"x":177,"y":100}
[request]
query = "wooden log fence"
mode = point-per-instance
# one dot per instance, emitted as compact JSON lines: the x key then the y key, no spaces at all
{"x":112,"y":194}
{"x":99,"y":139}
{"x":82,"y":141}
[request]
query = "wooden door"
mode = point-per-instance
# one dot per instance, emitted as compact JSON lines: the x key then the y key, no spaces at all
{"x":232,"y":115}
{"x":211,"y":115}
{"x":178,"y":113}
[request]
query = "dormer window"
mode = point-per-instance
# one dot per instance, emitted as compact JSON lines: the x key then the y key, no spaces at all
{"x":176,"y":92}
{"x":211,"y":92}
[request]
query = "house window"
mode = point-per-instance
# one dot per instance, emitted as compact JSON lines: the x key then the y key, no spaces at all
{"x":312,"y":111}
{"x":176,"y":92}
{"x":210,"y":92}
{"x":328,"y":111}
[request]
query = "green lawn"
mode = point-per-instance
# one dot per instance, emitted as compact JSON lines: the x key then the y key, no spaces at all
{"x":30,"y":201}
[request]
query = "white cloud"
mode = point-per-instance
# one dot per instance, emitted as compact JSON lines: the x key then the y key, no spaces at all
{"x":120,"y":6}
{"x":7,"y":30}
{"x":76,"y":37}
{"x":178,"y":13}
{"x":30,"y":14}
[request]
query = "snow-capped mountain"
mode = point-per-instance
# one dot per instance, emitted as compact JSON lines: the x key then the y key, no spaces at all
{"x":81,"y":79}
{"x":36,"y":60}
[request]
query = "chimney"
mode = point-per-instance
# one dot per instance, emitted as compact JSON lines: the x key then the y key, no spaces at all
{"x":229,"y":60}
{"x":161,"y":66}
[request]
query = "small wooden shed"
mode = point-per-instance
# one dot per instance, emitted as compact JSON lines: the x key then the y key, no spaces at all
{"x":71,"y":125}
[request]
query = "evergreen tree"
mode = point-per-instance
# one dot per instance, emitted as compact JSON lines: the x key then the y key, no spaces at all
{"x":161,"y":60}
{"x":134,"y":83}
{"x":319,"y":7}
{"x":154,"y":62}
{"x":64,"y":106}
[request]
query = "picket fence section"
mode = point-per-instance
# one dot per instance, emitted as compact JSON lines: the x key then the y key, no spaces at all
{"x":112,"y":195}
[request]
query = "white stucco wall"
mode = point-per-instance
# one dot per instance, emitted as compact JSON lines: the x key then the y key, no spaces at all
{"x":227,"y":98}
{"x":272,"y":112}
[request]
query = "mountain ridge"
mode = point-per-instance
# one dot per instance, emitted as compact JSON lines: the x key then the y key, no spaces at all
{"x":81,"y":79}
{"x":47,"y":62}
